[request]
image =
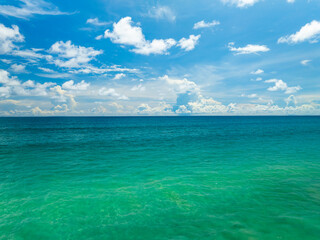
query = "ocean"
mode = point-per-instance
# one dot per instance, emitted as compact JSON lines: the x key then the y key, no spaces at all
{"x":160,"y":178}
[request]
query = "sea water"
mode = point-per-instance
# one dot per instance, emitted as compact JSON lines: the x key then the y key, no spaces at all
{"x":160,"y":178}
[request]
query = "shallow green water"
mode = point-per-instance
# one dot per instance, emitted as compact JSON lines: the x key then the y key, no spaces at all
{"x":160,"y":178}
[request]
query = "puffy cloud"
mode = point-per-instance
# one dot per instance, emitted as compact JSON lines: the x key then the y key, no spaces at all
{"x":290,"y":1}
{"x":139,"y":87}
{"x":180,"y":85}
{"x":96,"y":22}
{"x":63,"y":96}
{"x":28,"y":8}
{"x":280,"y":85}
{"x":241,"y":3}
{"x":7,"y":38}
{"x":257,"y":72}
{"x":309,"y":32}
{"x":157,"y":46}
{"x":160,"y":109}
{"x":119,"y":76}
{"x":124,"y":32}
{"x":190,"y":43}
{"x":72,"y":56}
{"x":13,"y":86}
{"x":81,"y":86}
{"x":54,"y":111}
{"x":249,"y":49}
{"x":18,"y":68}
{"x":162,"y":12}
{"x":5,"y":79}
{"x":203,"y":24}
{"x":111,"y":92}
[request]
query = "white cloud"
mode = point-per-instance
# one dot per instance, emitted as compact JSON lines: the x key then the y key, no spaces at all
{"x":203,"y":24}
{"x":138,"y":88}
{"x":161,"y":109}
{"x":69,"y":85}
{"x":124,"y":32}
{"x":62,"y":96}
{"x":309,"y":32}
{"x":241,"y":3}
{"x":28,"y":8}
{"x":280,"y":85}
{"x":249,"y":49}
{"x":18,"y":68}
{"x":257,"y":72}
{"x":13,"y":86}
{"x":162,"y":12}
{"x":305,"y":62}
{"x":253,"y":95}
{"x":7,"y":61}
{"x":96,"y":22}
{"x":180,"y":85}
{"x":119,"y":76}
{"x":48,"y":70}
{"x":29,"y":54}
{"x":111,"y":92}
{"x":7,"y":38}
{"x":157,"y":46}
{"x":190,"y":43}
{"x":72,"y":56}
{"x":290,"y":1}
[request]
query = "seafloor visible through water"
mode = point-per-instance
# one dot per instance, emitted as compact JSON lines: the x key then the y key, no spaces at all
{"x":160,"y":178}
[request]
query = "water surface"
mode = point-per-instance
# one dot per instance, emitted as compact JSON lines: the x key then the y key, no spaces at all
{"x":160,"y":178}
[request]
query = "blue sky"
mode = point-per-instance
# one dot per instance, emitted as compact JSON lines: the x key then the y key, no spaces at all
{"x":182,"y":57}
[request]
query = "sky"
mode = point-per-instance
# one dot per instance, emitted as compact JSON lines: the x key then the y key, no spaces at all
{"x":166,"y":57}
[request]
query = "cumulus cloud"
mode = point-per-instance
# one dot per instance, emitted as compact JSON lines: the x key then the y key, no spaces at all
{"x":28,"y":8}
{"x":188,"y":44}
{"x":7,"y":38}
{"x":72,"y":56}
{"x":257,"y":72}
{"x":161,"y":109}
{"x":180,"y":85}
{"x":18,"y":68}
{"x":81,"y":86}
{"x":203,"y":24}
{"x":62,"y":96}
{"x":12,"y":86}
{"x":126,"y":33}
{"x":162,"y":12}
{"x":111,"y":92}
{"x":248,"y":49}
{"x":119,"y":76}
{"x":241,"y":3}
{"x":280,"y":85}
{"x":309,"y":32}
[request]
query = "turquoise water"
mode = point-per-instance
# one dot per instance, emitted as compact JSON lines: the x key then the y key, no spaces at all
{"x":160,"y":178}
